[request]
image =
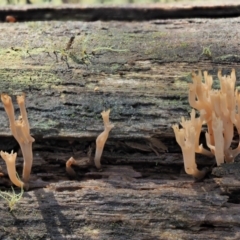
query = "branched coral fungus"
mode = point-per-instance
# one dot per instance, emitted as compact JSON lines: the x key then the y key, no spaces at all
{"x":220,"y":110}
{"x":21,"y":132}
{"x":188,"y":140}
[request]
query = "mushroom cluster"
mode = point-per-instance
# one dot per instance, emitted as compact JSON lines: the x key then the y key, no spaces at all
{"x":220,"y":111}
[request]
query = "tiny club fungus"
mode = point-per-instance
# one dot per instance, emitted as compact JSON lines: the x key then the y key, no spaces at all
{"x":71,"y":161}
{"x":102,"y":138}
{"x":83,"y":161}
{"x":21,"y":132}
{"x":220,"y":111}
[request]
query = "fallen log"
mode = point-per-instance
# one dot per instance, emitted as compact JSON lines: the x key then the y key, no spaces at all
{"x":70,"y":72}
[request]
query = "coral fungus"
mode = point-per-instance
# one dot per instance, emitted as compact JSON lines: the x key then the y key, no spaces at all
{"x":102,"y":138}
{"x":21,"y":132}
{"x":220,"y":111}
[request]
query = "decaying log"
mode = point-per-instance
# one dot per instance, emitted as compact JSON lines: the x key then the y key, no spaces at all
{"x":70,"y":72}
{"x":139,"y":70}
{"x":124,"y":208}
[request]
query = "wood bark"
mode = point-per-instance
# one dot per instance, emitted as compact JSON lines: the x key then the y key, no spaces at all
{"x":70,"y":72}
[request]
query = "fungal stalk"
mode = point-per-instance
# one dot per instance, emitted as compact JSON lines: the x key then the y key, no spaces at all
{"x":102,"y":138}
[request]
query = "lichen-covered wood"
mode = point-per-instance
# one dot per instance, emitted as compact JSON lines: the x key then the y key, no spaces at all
{"x":139,"y":70}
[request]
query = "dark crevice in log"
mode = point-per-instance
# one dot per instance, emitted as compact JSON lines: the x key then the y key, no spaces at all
{"x":234,"y":197}
{"x":138,"y":160}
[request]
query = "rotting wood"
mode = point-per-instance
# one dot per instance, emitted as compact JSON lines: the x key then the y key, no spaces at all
{"x":146,"y":88}
{"x":142,"y":71}
{"x":123,"y":208}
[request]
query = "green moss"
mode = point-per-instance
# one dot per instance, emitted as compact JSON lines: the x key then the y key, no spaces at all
{"x":207,"y":52}
{"x":11,"y":197}
{"x":46,"y":124}
{"x":18,"y":80}
{"x":85,"y":47}
{"x":183,"y":45}
{"x":228,"y":58}
{"x":181,"y":83}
